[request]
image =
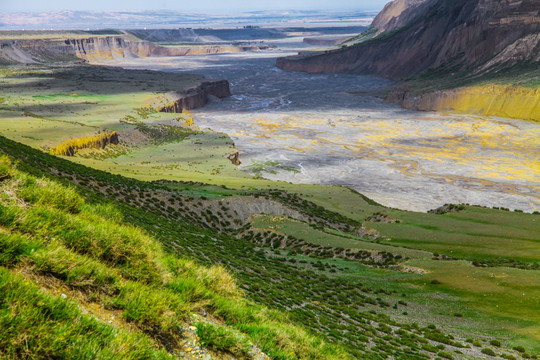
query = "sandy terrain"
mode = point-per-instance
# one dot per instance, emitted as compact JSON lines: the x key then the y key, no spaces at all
{"x":335,"y":129}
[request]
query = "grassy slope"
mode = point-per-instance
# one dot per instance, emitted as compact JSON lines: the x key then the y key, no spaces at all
{"x":52,"y":235}
{"x":103,"y":97}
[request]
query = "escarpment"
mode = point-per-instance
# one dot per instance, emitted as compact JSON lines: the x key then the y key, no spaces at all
{"x":99,"y":48}
{"x":489,"y":100}
{"x":473,"y":36}
{"x":178,"y":101}
{"x":34,"y":51}
{"x":112,"y":47}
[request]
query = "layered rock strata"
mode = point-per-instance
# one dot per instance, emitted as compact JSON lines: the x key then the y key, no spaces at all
{"x":102,"y":48}
{"x":178,"y":101}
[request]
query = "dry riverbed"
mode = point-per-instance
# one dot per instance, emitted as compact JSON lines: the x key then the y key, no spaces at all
{"x":336,"y":129}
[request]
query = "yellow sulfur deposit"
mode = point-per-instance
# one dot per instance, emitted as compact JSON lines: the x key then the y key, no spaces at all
{"x":492,"y":100}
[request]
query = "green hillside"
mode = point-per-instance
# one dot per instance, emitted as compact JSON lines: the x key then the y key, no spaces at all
{"x":84,"y":264}
{"x":75,"y":272}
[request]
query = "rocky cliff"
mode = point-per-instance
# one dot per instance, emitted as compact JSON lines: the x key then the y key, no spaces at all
{"x":460,"y":36}
{"x":112,"y":47}
{"x":397,"y":14}
{"x":34,"y":51}
{"x":178,"y":101}
{"x":100,"y":48}
{"x":489,"y":100}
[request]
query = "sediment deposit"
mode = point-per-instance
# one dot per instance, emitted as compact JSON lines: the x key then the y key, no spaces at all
{"x":325,"y":41}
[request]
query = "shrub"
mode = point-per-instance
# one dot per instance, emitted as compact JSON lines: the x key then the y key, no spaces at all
{"x":99,"y":141}
{"x":221,"y":339}
{"x":495,"y":343}
{"x":488,"y":351}
{"x":445,"y":355}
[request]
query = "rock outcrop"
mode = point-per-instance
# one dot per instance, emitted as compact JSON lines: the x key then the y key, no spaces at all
{"x":397,"y":14}
{"x":489,"y":100}
{"x":178,"y":101}
{"x":234,"y":157}
{"x":460,"y":35}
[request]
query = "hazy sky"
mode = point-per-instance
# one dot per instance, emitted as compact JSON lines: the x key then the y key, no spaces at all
{"x":189,"y":5}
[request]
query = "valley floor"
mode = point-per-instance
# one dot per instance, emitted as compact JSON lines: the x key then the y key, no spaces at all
{"x":336,"y":129}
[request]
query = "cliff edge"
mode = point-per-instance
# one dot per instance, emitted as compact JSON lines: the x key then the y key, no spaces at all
{"x":487,"y":100}
{"x":99,"y":48}
{"x":178,"y":101}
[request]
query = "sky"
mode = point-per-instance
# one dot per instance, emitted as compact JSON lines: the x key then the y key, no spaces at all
{"x":189,"y":5}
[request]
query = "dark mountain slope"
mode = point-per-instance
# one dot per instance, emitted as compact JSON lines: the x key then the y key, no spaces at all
{"x":475,"y":36}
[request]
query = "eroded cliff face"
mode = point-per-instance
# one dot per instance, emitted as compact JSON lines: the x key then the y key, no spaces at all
{"x":177,"y":102}
{"x":488,"y":100}
{"x":88,"y":49}
{"x":114,"y":47}
{"x":34,"y":51}
{"x":459,"y":35}
{"x":99,"y":48}
{"x":110,"y":47}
